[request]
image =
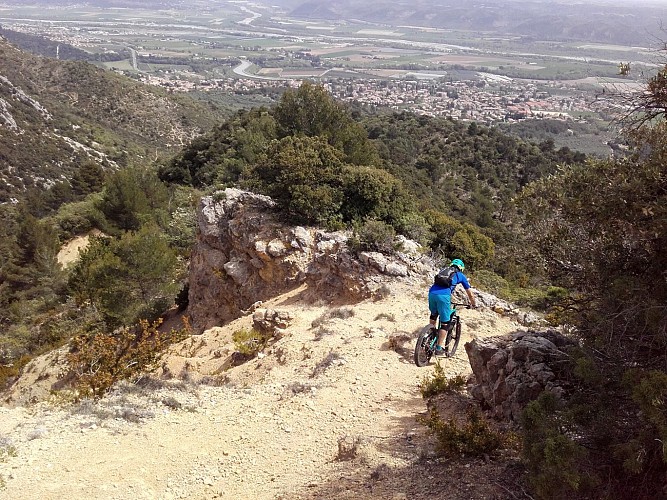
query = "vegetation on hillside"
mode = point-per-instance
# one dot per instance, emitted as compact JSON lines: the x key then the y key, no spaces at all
{"x":600,"y":230}
{"x":594,"y":227}
{"x":63,"y":115}
{"x":443,"y":183}
{"x":42,"y":46}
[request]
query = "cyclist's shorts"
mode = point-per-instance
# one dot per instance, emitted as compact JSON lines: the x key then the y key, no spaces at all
{"x":440,"y":304}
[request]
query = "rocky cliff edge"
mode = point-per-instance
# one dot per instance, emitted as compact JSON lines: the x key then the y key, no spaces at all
{"x":244,"y":254}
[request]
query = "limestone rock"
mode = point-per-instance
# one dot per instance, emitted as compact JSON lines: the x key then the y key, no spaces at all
{"x":244,"y":254}
{"x":271,"y":322}
{"x":504,"y":308}
{"x":512,"y":370}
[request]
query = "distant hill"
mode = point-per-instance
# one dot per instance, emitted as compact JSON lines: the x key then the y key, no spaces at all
{"x":54,"y":115}
{"x":607,"y":22}
{"x":42,"y":46}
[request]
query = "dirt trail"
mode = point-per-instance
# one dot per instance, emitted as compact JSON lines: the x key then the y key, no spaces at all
{"x":270,"y":429}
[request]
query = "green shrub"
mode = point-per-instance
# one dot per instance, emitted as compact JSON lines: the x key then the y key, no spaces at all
{"x":542,"y":298}
{"x":462,"y":240}
{"x":553,"y":458}
{"x":474,"y":438}
{"x":372,"y":193}
{"x":250,"y":342}
{"x":438,"y":383}
{"x":303,"y":176}
{"x":645,"y":452}
{"x":492,"y":283}
{"x":127,"y":279}
{"x":374,"y":235}
{"x":74,"y":219}
{"x":413,"y":225}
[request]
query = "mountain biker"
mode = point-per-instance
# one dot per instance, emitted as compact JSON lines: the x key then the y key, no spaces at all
{"x":440,"y":301}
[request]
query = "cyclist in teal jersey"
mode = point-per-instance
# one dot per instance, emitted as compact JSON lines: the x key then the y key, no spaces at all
{"x":440,"y":301}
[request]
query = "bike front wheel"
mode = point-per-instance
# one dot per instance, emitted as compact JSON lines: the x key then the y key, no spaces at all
{"x":452,"y":339}
{"x":425,"y":346}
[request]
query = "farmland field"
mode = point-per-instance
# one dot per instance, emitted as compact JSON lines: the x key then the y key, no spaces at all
{"x":460,"y":73}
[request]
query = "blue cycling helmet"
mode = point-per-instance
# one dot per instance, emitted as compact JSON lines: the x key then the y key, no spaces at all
{"x":458,"y":263}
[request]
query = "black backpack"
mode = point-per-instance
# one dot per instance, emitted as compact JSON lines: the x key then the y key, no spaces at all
{"x":445,"y":276}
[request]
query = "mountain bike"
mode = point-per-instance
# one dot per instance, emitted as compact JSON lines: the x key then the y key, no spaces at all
{"x":428,"y":338}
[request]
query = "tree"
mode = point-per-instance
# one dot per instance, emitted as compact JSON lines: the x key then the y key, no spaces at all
{"x":312,"y":111}
{"x":221,"y":155}
{"x":89,"y":178}
{"x":303,"y":175}
{"x":645,"y":106}
{"x":372,"y":193}
{"x":133,"y":196}
{"x":461,"y":240}
{"x":600,"y":230}
{"x":126,"y":279}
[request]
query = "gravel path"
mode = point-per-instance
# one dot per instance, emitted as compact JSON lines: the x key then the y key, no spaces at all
{"x":328,"y":412}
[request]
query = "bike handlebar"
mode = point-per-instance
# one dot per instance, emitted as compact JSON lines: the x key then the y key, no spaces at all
{"x":467,"y":306}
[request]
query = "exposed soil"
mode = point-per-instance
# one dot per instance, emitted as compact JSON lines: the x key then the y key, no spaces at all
{"x":69,"y":252}
{"x":328,"y":411}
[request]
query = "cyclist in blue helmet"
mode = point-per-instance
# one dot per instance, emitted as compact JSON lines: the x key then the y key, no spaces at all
{"x":440,"y":298}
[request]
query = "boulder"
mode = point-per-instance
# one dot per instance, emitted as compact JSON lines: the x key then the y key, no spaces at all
{"x":512,"y":370}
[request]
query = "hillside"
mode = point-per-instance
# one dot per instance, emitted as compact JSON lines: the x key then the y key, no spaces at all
{"x":57,"y":115}
{"x":605,"y":21}
{"x":269,"y":428}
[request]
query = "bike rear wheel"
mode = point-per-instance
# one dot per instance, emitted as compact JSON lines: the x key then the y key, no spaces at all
{"x":425,"y":346}
{"x":452,"y":338}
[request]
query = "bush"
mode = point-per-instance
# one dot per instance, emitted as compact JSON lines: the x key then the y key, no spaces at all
{"x":461,"y":239}
{"x":99,"y":360}
{"x":541,"y":298}
{"x":438,"y":383}
{"x":250,"y":342}
{"x":325,"y":363}
{"x":414,"y":226}
{"x":303,"y":176}
{"x":129,"y":278}
{"x":554,"y":459}
{"x":74,"y":219}
{"x":645,"y":452}
{"x":374,"y":235}
{"x":372,"y":193}
{"x":342,"y":313}
{"x":474,"y":438}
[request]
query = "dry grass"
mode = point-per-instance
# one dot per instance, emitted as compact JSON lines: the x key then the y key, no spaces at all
{"x":325,"y":363}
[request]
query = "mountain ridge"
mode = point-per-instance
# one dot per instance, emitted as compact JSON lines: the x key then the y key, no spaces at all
{"x":604,"y":22}
{"x":55,"y":115}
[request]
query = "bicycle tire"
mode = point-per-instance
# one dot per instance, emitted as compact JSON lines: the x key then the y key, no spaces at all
{"x":453,"y":337}
{"x":425,"y":345}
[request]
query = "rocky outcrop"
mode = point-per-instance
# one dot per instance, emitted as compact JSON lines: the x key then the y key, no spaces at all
{"x":21,"y":96}
{"x":512,"y":370}
{"x":6,"y":118}
{"x":271,"y":323}
{"x":245,"y":254}
{"x":504,"y":308}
